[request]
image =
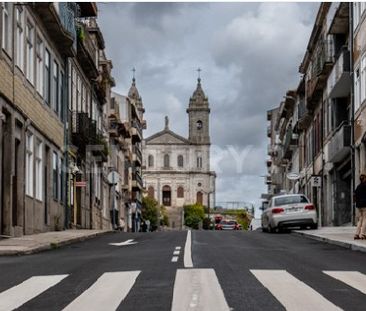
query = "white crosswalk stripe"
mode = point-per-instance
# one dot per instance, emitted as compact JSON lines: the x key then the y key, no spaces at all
{"x":198,"y":289}
{"x":18,"y":295}
{"x":354,"y":279}
{"x":194,"y":290}
{"x":291,"y":292}
{"x":106,"y":293}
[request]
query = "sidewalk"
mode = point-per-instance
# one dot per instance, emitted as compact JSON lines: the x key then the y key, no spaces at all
{"x":29,"y":244}
{"x":341,"y":236}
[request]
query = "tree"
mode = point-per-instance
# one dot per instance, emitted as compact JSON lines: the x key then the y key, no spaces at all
{"x":193,"y":215}
{"x":164,"y":219}
{"x":150,"y":211}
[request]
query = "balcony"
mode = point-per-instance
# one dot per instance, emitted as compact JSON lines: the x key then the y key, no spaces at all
{"x":269,"y":131}
{"x":136,"y":131}
{"x":339,"y":81}
{"x":320,"y":67}
{"x":137,"y":182}
{"x":59,"y":20}
{"x":137,"y":155}
{"x":338,"y":18}
{"x":86,"y":52}
{"x":290,"y":143}
{"x":304,"y":116}
{"x":339,"y":145}
{"x":268,"y":180}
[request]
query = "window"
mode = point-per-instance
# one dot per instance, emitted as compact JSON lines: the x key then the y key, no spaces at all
{"x":151,"y":192}
{"x":199,"y":124}
{"x":29,"y":165}
{"x":73,"y":90}
{"x":357,"y":87}
{"x":61,"y":179}
{"x":78,"y":95}
{"x":199,"y":162}
{"x":199,"y":198}
{"x":166,"y":196}
{"x":150,"y":161}
{"x":47,"y":81}
{"x":61,"y":82}
{"x":180,"y":161}
{"x":6,"y":42}
{"x":356,"y":14}
{"x":20,"y":38}
{"x":97,"y":181}
{"x":30,"y":53}
{"x":363,"y":79}
{"x":39,"y":66}
{"x":166,"y":161}
{"x":56,"y":94}
{"x":180,"y":192}
{"x":55,"y":169}
{"x":39,"y":174}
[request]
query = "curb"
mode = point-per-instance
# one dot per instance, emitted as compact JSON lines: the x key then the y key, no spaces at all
{"x":343,"y":244}
{"x":51,"y":245}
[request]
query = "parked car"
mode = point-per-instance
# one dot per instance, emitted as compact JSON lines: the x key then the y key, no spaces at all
{"x":228,"y":225}
{"x":289,"y":211}
{"x":255,"y":224}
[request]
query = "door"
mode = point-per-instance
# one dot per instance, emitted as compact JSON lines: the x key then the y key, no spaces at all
{"x":167,"y":196}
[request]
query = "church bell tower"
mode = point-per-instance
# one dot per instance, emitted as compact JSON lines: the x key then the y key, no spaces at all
{"x":198,"y":112}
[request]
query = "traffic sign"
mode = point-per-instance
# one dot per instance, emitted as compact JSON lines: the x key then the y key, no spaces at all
{"x":316,"y":181}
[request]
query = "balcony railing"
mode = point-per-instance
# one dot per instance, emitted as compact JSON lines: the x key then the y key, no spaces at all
{"x":138,"y":153}
{"x":339,"y":81}
{"x":339,"y":145}
{"x":321,"y":64}
{"x":290,"y":143}
{"x":87,"y":51}
{"x":269,"y":131}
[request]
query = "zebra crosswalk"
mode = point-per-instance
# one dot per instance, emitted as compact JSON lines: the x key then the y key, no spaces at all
{"x":194,"y":290}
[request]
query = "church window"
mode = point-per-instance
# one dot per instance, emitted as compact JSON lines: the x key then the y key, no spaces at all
{"x":180,"y":161}
{"x":180,"y":192}
{"x":199,"y":124}
{"x":150,"y":192}
{"x":151,"y":161}
{"x":199,"y":198}
{"x":199,"y":162}
{"x":166,"y":161}
{"x":167,"y":196}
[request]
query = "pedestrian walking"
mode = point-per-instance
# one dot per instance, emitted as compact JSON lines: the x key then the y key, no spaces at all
{"x":360,"y":199}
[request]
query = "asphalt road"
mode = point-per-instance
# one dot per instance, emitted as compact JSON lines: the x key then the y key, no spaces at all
{"x":231,"y":270}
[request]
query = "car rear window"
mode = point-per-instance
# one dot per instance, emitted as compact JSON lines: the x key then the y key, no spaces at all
{"x":290,"y":200}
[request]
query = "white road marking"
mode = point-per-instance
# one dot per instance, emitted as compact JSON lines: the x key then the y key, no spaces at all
{"x":106,"y":293}
{"x":18,"y":295}
{"x":199,"y":290}
{"x":354,"y":279}
{"x":174,"y":258}
{"x":128,"y":242}
{"x":188,"y":252}
{"x":176,"y":252}
{"x":291,"y":292}
{"x":177,"y":247}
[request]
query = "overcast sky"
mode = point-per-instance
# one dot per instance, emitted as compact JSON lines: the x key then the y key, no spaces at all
{"x":249,"y":54}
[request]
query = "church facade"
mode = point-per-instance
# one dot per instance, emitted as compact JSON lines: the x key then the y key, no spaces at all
{"x":177,"y":169}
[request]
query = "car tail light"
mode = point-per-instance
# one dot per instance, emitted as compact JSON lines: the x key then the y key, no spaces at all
{"x":277,"y":210}
{"x":310,"y":207}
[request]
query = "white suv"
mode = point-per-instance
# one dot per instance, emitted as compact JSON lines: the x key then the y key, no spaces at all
{"x":289,"y":211}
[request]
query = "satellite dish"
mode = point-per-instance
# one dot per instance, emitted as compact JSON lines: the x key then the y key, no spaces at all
{"x":293,"y":176}
{"x":113,"y":177}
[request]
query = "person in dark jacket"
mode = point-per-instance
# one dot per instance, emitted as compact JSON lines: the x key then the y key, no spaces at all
{"x":360,"y":199}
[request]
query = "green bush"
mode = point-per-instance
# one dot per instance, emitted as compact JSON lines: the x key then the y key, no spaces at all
{"x":193,"y":215}
{"x":207,"y":224}
{"x":150,"y":211}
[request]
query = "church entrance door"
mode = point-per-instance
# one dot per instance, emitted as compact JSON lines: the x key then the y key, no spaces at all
{"x":167,"y":196}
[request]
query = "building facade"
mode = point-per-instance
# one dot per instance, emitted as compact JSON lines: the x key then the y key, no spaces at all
{"x":313,"y":128}
{"x":178,"y":169}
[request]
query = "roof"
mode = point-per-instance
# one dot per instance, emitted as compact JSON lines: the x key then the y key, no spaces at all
{"x":170,"y":138}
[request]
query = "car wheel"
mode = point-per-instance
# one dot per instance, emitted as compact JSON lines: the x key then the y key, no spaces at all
{"x":314,"y":226}
{"x":271,"y":230}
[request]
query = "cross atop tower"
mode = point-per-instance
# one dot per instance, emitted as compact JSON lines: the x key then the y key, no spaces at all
{"x":133,"y":73}
{"x":199,"y":73}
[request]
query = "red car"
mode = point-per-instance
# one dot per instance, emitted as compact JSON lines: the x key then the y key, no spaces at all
{"x":228,"y":225}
